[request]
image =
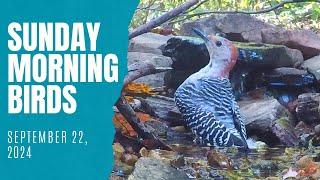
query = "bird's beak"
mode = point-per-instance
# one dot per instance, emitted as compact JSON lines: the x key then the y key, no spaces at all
{"x":201,"y":34}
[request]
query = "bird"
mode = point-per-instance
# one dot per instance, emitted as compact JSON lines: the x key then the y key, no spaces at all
{"x":206,"y":101}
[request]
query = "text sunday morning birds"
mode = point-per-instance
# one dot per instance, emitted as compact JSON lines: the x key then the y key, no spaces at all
{"x":45,"y":54}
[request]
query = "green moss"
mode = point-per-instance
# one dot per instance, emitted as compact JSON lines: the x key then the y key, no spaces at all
{"x":256,"y":46}
{"x":284,"y":122}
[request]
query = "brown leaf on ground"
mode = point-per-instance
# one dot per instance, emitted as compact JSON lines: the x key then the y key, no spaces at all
{"x":307,"y":166}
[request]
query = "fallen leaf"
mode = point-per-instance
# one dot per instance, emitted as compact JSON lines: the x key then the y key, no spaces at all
{"x":120,"y":123}
{"x":138,"y":89}
{"x":307,"y":166}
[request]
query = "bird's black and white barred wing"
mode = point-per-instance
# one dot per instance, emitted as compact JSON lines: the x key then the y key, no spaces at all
{"x":239,"y":120}
{"x":209,"y":108}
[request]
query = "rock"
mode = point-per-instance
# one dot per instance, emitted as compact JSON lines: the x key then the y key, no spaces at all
{"x":114,"y":177}
{"x":289,"y":77}
{"x":175,"y":137}
{"x":189,"y":55}
{"x":129,"y":159}
{"x":160,"y":128}
{"x":144,"y":152}
{"x":178,"y":162}
{"x":304,"y":132}
{"x":264,"y":168}
{"x":149,"y":168}
{"x":258,"y":145}
{"x":292,"y":105}
{"x":237,"y":27}
{"x":317,"y":129}
{"x":186,"y":53}
{"x":218,"y":160}
{"x":313,"y":66}
{"x":307,"y":41}
{"x":287,"y":96}
{"x":260,"y":115}
{"x":160,"y":107}
{"x":154,"y":80}
{"x":246,"y":28}
{"x":284,"y":130}
{"x":127,"y":169}
{"x":180,"y":129}
{"x":164,"y":155}
{"x":148,"y":43}
{"x":307,"y":109}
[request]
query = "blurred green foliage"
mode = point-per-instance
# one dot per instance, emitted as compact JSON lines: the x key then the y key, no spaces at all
{"x":304,"y":15}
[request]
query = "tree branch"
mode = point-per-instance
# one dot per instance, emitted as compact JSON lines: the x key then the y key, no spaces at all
{"x":138,"y":70}
{"x":163,"y":18}
{"x":196,"y":7}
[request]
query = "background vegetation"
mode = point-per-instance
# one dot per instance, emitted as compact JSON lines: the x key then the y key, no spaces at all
{"x":295,"y":14}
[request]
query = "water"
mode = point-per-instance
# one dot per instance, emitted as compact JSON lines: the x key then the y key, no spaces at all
{"x":261,"y":163}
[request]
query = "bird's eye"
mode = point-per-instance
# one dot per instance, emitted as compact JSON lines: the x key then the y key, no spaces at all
{"x":218,"y":43}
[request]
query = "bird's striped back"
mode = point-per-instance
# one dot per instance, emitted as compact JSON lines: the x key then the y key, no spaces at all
{"x":210,"y":110}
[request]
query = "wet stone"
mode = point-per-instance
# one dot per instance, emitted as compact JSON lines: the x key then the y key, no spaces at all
{"x":160,"y":108}
{"x":149,"y":168}
{"x":283,"y":129}
{"x":264,"y":168}
{"x":189,"y":55}
{"x":260,"y":115}
{"x":307,"y":109}
{"x":313,"y":66}
{"x":289,"y":77}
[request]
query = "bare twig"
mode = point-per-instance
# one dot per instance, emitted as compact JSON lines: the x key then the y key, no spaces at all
{"x":280,"y":5}
{"x":151,"y":3}
{"x":163,"y":18}
{"x":196,"y":7}
{"x":151,"y":9}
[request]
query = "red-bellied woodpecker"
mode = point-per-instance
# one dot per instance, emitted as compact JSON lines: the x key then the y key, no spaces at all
{"x":206,"y":101}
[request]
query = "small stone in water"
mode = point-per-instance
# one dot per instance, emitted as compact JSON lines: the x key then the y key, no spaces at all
{"x":178,"y":162}
{"x":180,"y":129}
{"x":217,"y":159}
{"x":144,"y":152}
{"x":129,"y":159}
{"x":317,"y":129}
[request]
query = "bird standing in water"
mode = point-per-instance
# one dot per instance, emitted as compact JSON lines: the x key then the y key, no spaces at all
{"x":206,"y":100}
